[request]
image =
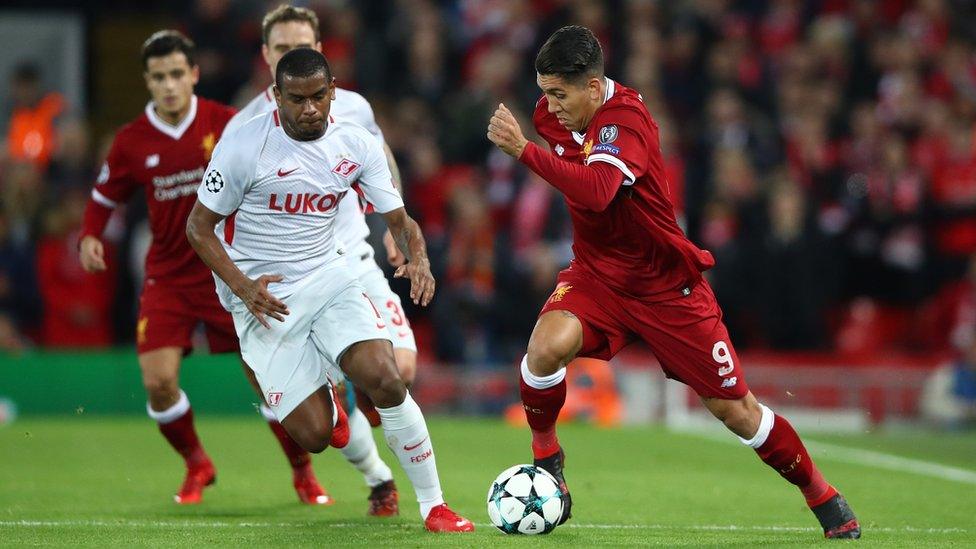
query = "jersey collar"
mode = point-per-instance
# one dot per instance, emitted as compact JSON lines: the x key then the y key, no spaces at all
{"x":611,"y":88}
{"x":178,"y":130}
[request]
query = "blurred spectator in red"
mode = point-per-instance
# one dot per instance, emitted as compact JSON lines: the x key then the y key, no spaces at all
{"x":76,"y":305}
{"x":954,"y":195}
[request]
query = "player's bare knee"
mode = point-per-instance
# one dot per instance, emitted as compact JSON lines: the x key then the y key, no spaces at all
{"x":739,"y":416}
{"x":545,"y":358}
{"x":317,"y":441}
{"x":389,"y":390}
{"x":161,"y":388}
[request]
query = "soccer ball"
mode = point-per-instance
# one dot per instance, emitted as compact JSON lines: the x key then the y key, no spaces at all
{"x":525,"y":499}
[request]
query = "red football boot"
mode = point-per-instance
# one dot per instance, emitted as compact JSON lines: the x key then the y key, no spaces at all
{"x":340,"y":431}
{"x":197,"y":478}
{"x":310,"y":492}
{"x":442,"y":519}
{"x":384,"y":501}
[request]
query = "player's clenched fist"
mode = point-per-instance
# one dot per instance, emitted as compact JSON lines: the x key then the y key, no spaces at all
{"x":92,"y":254}
{"x":421,"y":280}
{"x":259,"y":300}
{"x":505,"y":132}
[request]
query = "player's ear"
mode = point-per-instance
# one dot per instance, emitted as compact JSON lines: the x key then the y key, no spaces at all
{"x":265,"y":53}
{"x":593,"y":89}
{"x":277,"y":94}
{"x":195,"y":74}
{"x":332,"y":88}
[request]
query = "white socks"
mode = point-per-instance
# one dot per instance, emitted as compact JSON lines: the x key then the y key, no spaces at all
{"x":172,"y":413}
{"x":765,"y":426}
{"x":406,"y":434}
{"x":361,"y":451}
{"x":541,"y":382}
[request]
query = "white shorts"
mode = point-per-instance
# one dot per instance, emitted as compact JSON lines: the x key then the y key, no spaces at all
{"x":364,"y":267}
{"x":292,"y":359}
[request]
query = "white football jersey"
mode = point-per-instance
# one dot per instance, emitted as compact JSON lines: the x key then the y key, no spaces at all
{"x":282,"y":196}
{"x":350,"y":227}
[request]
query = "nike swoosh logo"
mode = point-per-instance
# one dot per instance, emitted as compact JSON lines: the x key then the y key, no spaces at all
{"x":415,"y":446}
{"x":282,"y":174}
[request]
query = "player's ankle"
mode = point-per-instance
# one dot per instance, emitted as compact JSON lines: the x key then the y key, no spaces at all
{"x":544,"y":443}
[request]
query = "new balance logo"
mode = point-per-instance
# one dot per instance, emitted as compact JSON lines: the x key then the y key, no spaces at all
{"x":730,"y":382}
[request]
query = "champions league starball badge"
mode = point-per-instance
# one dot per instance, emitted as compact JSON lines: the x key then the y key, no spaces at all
{"x":608,"y":133}
{"x":214,"y":181}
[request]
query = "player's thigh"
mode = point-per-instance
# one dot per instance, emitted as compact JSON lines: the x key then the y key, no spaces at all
{"x":166,"y":319}
{"x":351,"y":332}
{"x":578,"y":319}
{"x":691,"y":342}
{"x":285,"y":362}
{"x":390,"y":307}
{"x":160,"y":369}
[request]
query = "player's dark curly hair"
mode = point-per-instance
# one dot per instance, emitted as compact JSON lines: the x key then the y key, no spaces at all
{"x":302,"y":63}
{"x":165,"y":42}
{"x":572,"y":53}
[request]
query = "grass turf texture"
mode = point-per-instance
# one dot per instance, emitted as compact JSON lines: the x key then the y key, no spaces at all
{"x":92,"y":480}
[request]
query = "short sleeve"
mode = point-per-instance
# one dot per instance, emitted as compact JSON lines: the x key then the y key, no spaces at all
{"x":363,"y":115}
{"x":376,"y":181}
{"x":228,"y":175}
{"x":622,"y":139}
{"x":115,"y":182}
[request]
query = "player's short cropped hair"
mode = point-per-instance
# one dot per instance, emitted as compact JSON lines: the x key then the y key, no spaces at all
{"x":572,"y":53}
{"x":285,"y":13}
{"x":165,"y":42}
{"x":302,"y":63}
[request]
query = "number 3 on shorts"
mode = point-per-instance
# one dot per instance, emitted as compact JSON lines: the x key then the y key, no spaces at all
{"x":721,"y":354}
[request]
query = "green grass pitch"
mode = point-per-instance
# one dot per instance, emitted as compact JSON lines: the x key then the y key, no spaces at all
{"x":102,"y":481}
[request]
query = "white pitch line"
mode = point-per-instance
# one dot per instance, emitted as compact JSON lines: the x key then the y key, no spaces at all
{"x":894,"y":463}
{"x":578,"y":526}
{"x":868,"y":458}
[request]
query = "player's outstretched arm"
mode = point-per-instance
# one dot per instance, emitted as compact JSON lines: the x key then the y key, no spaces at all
{"x":592,"y":186}
{"x":254,"y":293}
{"x":406,"y":232}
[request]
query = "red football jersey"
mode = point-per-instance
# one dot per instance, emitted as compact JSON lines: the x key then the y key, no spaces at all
{"x":635,"y":245}
{"x":168,"y":163}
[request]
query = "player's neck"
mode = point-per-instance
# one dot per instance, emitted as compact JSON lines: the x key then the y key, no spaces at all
{"x":595,"y":105}
{"x":172,"y":118}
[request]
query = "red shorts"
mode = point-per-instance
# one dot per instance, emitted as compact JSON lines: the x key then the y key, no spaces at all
{"x":168,"y":316}
{"x":686,"y":333}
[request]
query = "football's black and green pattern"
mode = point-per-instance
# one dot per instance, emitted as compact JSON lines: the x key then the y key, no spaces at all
{"x":525,"y":499}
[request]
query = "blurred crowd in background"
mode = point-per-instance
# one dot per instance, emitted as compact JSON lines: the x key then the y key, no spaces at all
{"x":824,"y":151}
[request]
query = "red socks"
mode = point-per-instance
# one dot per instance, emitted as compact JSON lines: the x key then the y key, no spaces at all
{"x":542,"y":399}
{"x":182,"y":436}
{"x":778,"y":445}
